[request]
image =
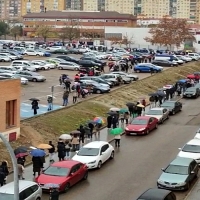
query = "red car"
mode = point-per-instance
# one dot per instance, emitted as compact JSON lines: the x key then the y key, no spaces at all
{"x":64,"y":173}
{"x":142,"y":125}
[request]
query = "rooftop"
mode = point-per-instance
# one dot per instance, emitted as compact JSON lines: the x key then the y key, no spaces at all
{"x":79,"y":15}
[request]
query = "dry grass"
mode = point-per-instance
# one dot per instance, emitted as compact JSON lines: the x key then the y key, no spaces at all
{"x":50,"y":126}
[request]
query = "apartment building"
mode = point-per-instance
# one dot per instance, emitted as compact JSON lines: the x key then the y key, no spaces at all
{"x":34,"y":6}
{"x":73,"y":4}
{"x":10,"y":9}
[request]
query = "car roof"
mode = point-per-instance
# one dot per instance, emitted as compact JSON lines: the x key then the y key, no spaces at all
{"x":156,"y":109}
{"x":65,"y":163}
{"x":95,"y":144}
{"x":194,"y":142}
{"x":181,"y":161}
{"x":9,"y":187}
{"x":154,"y":194}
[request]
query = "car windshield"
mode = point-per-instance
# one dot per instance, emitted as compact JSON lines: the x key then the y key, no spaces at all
{"x":88,"y":152}
{"x":191,"y":148}
{"x":57,"y":171}
{"x":154,"y":112}
{"x":4,"y":196}
{"x":177,"y":169}
{"x":139,"y":121}
{"x":190,"y":90}
{"x":167,"y":104}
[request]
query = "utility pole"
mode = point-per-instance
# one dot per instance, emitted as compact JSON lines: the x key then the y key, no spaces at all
{"x":15,"y":167}
{"x":52,"y":91}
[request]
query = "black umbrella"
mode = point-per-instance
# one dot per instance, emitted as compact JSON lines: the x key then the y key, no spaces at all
{"x":162,"y":94}
{"x":34,"y":99}
{"x":21,"y":151}
{"x":129,"y":104}
{"x":112,"y":113}
{"x":153,"y":94}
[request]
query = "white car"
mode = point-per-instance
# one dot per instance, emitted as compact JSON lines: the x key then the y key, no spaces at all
{"x":69,"y":66}
{"x":4,"y":58}
{"x":191,"y":150}
{"x":32,"y":52}
{"x":50,"y":65}
{"x":53,"y":48}
{"x":9,"y":55}
{"x":194,"y":56}
{"x":184,"y":58}
{"x":84,"y":50}
{"x":11,"y":70}
{"x":131,"y":76}
{"x":101,"y":56}
{"x":160,"y":113}
{"x":24,"y":81}
{"x":42,"y":66}
{"x":94,"y":154}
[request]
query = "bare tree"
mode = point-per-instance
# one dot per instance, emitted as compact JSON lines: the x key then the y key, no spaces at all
{"x":170,"y":32}
{"x":70,"y":31}
{"x":92,"y":34}
{"x":43,"y":31}
{"x":127,"y":40}
{"x":16,"y":31}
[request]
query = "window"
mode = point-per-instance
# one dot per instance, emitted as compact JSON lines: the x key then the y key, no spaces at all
{"x":25,"y":194}
{"x":11,"y":113}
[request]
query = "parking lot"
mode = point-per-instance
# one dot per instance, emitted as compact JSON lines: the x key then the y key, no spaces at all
{"x":40,"y":90}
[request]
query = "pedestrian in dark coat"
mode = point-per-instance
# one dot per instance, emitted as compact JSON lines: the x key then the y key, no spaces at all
{"x":61,"y":150}
{"x":4,"y":167}
{"x":2,"y":177}
{"x":35,"y":106}
{"x":114,"y":122}
{"x":54,"y":194}
{"x":109,"y":121}
{"x":21,"y":160}
{"x":82,"y":133}
{"x":91,"y":126}
{"x":37,"y":165}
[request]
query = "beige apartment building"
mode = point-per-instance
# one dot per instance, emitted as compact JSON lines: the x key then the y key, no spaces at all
{"x":34,"y":6}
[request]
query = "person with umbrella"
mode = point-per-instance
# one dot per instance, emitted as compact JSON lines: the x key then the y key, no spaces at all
{"x":61,"y":150}
{"x":34,"y":104}
{"x":130,"y":108}
{"x":91,"y":127}
{"x":67,"y":149}
{"x":109,"y":121}
{"x":82,"y":133}
{"x":51,"y":152}
{"x":117,"y":135}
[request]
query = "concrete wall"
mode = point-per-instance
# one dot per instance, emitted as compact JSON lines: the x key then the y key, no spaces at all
{"x":10,"y":89}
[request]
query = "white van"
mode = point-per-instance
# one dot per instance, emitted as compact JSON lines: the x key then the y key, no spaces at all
{"x":171,"y":58}
{"x":25,"y":63}
{"x":28,"y":190}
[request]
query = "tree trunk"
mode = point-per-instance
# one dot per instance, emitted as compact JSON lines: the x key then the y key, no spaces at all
{"x":15,"y":36}
{"x":45,"y":39}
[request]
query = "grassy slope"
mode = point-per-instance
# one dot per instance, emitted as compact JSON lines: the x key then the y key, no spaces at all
{"x":50,"y":126}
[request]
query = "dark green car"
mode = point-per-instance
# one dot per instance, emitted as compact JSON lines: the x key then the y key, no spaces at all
{"x":61,"y":51}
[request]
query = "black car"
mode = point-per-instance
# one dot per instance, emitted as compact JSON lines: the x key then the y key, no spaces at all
{"x":69,"y":59}
{"x":95,"y":60}
{"x":172,"y":106}
{"x":191,"y":92}
{"x":157,"y":194}
{"x":164,"y":63}
{"x":88,"y":63}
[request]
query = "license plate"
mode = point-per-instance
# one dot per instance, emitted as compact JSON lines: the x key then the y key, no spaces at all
{"x":133,"y":133}
{"x":189,"y":95}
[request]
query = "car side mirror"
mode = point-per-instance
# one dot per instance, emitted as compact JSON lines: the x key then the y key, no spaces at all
{"x":76,"y":152}
{"x":163,"y":169}
{"x":192,"y":172}
{"x":179,"y":149}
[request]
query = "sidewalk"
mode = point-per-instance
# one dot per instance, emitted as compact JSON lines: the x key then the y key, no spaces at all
{"x":194,"y":194}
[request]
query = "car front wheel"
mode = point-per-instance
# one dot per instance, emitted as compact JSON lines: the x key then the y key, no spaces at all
{"x":85,"y":176}
{"x":98,"y":91}
{"x":112,"y":155}
{"x":67,"y":186}
{"x":99,"y":165}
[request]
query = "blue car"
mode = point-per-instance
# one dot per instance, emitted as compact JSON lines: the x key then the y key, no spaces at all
{"x":147,"y":68}
{"x":46,"y":53}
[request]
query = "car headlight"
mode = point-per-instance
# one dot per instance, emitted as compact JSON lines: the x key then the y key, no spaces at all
{"x":193,"y":93}
{"x":182,"y":183}
{"x":92,"y":162}
{"x":127,"y":128}
{"x":141,"y":129}
{"x":160,"y":181}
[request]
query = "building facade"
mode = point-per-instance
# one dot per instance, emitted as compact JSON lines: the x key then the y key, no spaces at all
{"x":10,"y":108}
{"x":10,"y":9}
{"x":73,"y":4}
{"x":85,"y":21}
{"x":35,"y":6}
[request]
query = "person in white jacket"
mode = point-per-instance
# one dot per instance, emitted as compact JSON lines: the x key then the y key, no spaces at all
{"x":117,"y":140}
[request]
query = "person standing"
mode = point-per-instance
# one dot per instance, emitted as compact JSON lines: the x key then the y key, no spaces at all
{"x":67,"y":149}
{"x":2,"y":177}
{"x":117,"y":140}
{"x":65,"y":98}
{"x":75,"y":95}
{"x":37,"y":165}
{"x":82,"y":134}
{"x":4,"y":167}
{"x":75,"y":143}
{"x":20,"y":171}
{"x":35,"y":106}
{"x":61,"y":150}
{"x":21,"y":160}
{"x":91,"y":127}
{"x":126,"y":117}
{"x":98,"y":128}
{"x":51,"y":152}
{"x":54,"y":194}
{"x":50,"y":102}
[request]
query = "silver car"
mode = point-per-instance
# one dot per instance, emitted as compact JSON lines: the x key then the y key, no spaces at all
{"x":69,"y":66}
{"x":28,"y":190}
{"x":31,"y":76}
{"x":133,"y":77}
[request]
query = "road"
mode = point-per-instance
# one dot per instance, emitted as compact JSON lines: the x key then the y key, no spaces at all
{"x":138,"y":162}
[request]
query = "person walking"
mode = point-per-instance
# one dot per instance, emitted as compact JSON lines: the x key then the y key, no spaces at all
{"x":2,"y":177}
{"x":98,"y":128}
{"x":4,"y":167}
{"x":117,"y":140}
{"x":50,"y":102}
{"x":75,"y":143}
{"x":65,"y":98}
{"x":91,"y":127}
{"x":35,"y":106}
{"x":21,"y":160}
{"x":61,"y":150}
{"x":37,"y":165}
{"x":67,"y":149}
{"x":82,"y":134}
{"x":20,"y":171}
{"x":75,"y":95}
{"x":126,"y":117}
{"x":51,"y":152}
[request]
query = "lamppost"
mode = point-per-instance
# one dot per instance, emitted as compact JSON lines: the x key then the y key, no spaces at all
{"x":15,"y":167}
